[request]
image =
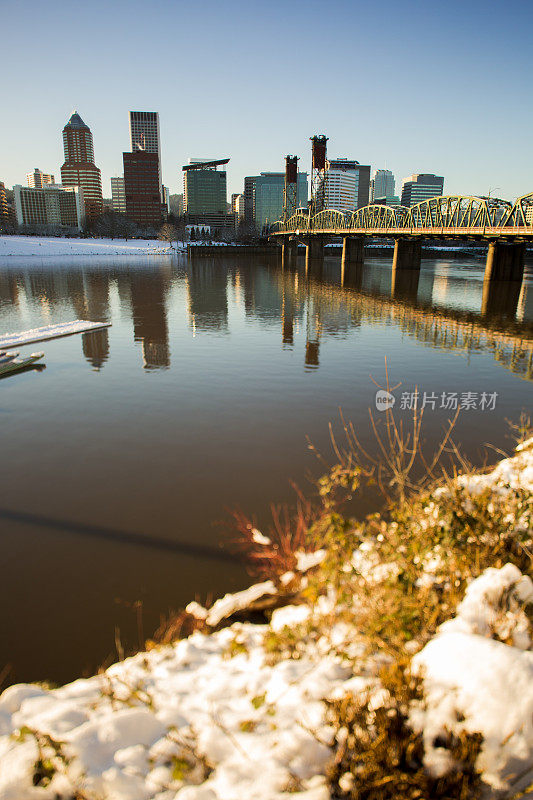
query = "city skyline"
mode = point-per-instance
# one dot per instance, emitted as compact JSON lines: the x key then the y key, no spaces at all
{"x":409,"y":126}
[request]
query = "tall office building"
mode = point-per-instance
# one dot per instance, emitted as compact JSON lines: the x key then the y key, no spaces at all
{"x":347,"y":184}
{"x":118,"y":195}
{"x":79,"y":168}
{"x":4,"y":208}
{"x":38,"y":179}
{"x":424,"y":186}
{"x":142,"y":189}
{"x":50,"y":205}
{"x":205,"y":192}
{"x":382,"y":185}
{"x":263,"y":197}
{"x":237,"y":207}
{"x":144,"y":135}
{"x":165,"y":198}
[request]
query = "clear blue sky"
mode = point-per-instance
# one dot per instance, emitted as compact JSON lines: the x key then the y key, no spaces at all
{"x":411,"y":85}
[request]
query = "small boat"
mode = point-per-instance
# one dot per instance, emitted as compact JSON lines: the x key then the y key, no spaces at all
{"x":15,"y":364}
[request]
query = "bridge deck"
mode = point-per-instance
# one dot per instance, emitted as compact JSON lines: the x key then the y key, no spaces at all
{"x":424,"y":233}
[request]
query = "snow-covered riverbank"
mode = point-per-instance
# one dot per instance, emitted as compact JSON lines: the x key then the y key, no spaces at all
{"x":243,"y":711}
{"x":41,"y":247}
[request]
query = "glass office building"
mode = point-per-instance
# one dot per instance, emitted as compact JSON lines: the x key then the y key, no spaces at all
{"x":265,"y":196}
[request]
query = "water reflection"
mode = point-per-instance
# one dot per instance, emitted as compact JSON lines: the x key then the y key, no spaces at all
{"x":441,"y":306}
{"x":148,"y":294}
{"x":95,"y":345}
{"x":245,"y":361}
{"x":207,"y":296}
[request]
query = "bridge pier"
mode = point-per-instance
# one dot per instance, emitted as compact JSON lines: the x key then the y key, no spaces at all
{"x":289,"y":253}
{"x":505,"y":261}
{"x":314,"y":255}
{"x":353,"y":249}
{"x":407,"y":254}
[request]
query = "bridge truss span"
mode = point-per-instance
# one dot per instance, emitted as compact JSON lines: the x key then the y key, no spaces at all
{"x":457,"y":215}
{"x":380,"y":217}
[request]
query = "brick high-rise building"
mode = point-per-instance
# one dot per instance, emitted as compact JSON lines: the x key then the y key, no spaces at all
{"x":79,"y":168}
{"x":142,"y":188}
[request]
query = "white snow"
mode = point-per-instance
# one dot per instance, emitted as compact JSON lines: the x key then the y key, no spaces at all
{"x":125,"y":730}
{"x":289,"y":616}
{"x":488,"y":683}
{"x":260,"y":538}
{"x":306,"y":561}
{"x":475,"y":683}
{"x":493,"y":607}
{"x":30,"y":246}
{"x":231,"y":603}
{"x":50,"y":332}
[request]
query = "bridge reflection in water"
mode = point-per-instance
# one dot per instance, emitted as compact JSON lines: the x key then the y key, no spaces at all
{"x":501,"y":326}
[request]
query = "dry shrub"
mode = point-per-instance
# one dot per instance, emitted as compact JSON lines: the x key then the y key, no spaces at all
{"x":288,"y":534}
{"x":385,"y":758}
{"x":178,"y":625}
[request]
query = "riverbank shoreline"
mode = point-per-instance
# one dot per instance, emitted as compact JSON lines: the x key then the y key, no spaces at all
{"x":14,"y":247}
{"x":191,"y":718}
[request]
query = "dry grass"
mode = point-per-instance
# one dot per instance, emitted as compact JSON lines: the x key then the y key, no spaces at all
{"x":380,"y":758}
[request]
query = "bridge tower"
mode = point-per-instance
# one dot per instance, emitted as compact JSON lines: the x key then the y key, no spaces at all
{"x":290,"y":194}
{"x":318,"y":173}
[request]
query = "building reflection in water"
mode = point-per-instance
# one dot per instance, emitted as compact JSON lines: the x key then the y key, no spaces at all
{"x":207,"y":295}
{"x":446,"y":306}
{"x":9,"y":291}
{"x":96,"y":345}
{"x":148,"y":292}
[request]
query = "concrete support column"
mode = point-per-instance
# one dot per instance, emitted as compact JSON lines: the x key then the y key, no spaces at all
{"x":407,"y":254}
{"x":353,"y":248}
{"x":314,"y":255}
{"x":289,"y":253}
{"x":505,"y":261}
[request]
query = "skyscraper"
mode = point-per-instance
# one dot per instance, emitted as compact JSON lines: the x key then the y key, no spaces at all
{"x":79,"y":168}
{"x":205,"y":192}
{"x":38,"y":179}
{"x":347,"y":184}
{"x":263,"y":197}
{"x":142,"y":188}
{"x":4,"y":208}
{"x":423,"y":186}
{"x":144,"y":135}
{"x":383,"y":185}
{"x":144,"y":131}
{"x":118,"y":195}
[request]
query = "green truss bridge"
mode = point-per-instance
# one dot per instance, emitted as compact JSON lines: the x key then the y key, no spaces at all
{"x":506,"y":227}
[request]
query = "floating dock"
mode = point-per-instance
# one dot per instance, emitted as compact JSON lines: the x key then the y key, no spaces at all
{"x":8,"y":340}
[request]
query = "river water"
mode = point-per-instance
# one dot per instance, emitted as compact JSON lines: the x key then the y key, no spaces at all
{"x":122,"y":459}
